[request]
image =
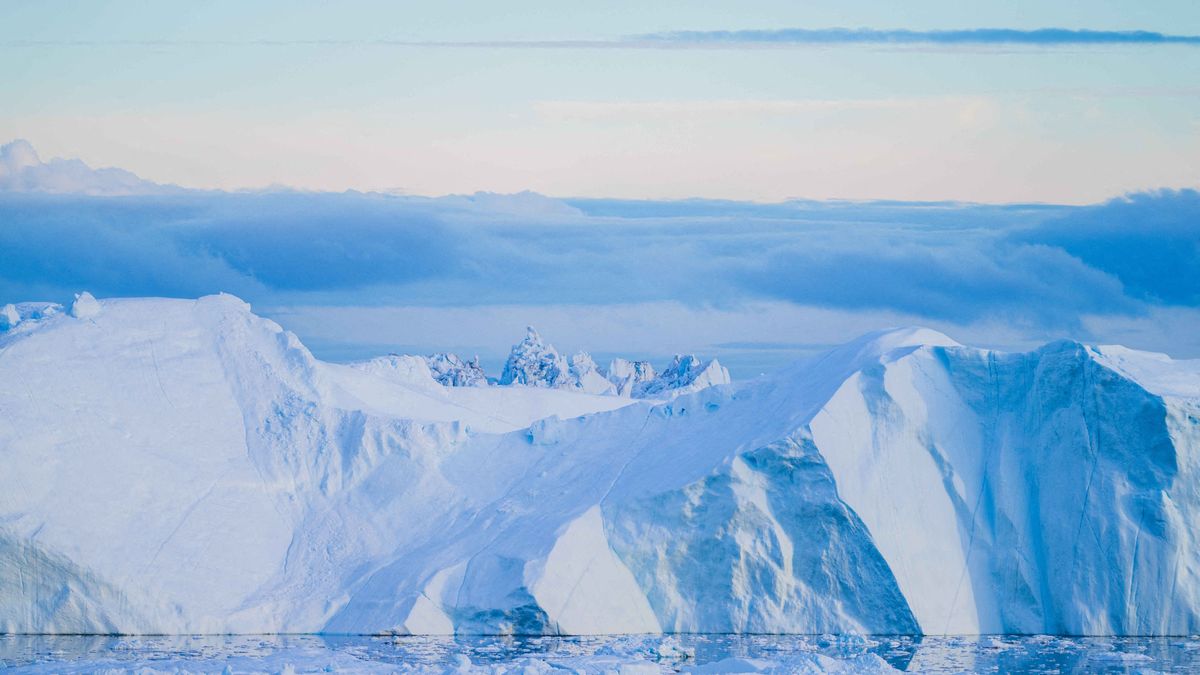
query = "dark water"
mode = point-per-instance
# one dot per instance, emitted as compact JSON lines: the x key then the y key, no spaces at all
{"x":704,"y":653}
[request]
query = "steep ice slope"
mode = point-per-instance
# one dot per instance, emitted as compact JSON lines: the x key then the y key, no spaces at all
{"x":161,"y":456}
{"x":185,"y":466}
{"x":1054,"y":491}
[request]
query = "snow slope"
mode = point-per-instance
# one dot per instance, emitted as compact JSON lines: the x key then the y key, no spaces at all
{"x":185,"y":466}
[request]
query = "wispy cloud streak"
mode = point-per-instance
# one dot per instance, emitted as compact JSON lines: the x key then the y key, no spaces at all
{"x":971,"y":36}
{"x":1047,"y":37}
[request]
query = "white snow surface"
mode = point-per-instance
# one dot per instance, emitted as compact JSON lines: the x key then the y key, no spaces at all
{"x":178,"y":466}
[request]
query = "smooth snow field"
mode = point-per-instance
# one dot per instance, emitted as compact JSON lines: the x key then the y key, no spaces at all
{"x":186,"y":467}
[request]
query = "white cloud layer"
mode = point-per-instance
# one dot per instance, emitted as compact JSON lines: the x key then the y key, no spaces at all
{"x":358,"y":274}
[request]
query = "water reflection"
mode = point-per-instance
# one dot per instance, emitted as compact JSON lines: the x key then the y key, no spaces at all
{"x":666,"y":653}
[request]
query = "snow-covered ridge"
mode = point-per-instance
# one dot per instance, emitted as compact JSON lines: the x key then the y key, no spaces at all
{"x":533,"y":362}
{"x":188,"y":467}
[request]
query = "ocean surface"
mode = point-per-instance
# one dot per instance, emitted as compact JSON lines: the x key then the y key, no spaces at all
{"x":600,"y":654}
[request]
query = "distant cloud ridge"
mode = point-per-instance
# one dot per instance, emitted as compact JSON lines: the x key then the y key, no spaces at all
{"x":22,"y":170}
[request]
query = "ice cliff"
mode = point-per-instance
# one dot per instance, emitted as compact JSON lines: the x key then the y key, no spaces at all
{"x":186,"y":466}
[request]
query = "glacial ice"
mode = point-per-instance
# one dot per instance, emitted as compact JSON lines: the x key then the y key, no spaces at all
{"x":586,"y":376}
{"x":683,"y":375}
{"x":85,"y":306}
{"x":9,"y":318}
{"x":533,"y":362}
{"x":179,"y":466}
{"x":628,"y":376}
{"x":451,"y":370}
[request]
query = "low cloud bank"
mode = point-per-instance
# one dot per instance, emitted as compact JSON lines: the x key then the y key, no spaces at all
{"x":1044,"y":268}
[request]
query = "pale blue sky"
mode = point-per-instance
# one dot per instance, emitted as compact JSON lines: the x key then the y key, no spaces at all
{"x":190,"y":93}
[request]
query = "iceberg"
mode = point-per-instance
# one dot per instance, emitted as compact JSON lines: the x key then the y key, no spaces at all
{"x":685,"y":374}
{"x":535,"y":363}
{"x":586,"y":376}
{"x":9,"y":317}
{"x":85,"y":306}
{"x":185,"y":466}
{"x":451,"y":370}
{"x":628,"y":376}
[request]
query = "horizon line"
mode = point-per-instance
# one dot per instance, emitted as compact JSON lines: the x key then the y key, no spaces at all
{"x":782,"y":37}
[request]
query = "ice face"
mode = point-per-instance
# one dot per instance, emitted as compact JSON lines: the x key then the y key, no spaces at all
{"x":9,"y":318}
{"x":534,"y":363}
{"x":683,"y":375}
{"x":225,"y":480}
{"x":452,"y":370}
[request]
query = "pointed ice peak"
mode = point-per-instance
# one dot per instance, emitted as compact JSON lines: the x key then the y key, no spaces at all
{"x":9,"y":317}
{"x":85,"y":306}
{"x":684,"y":374}
{"x":628,"y":375}
{"x":583,"y":362}
{"x":640,"y":370}
{"x":451,"y":370}
{"x":535,"y":363}
{"x":681,"y":365}
{"x":586,"y":375}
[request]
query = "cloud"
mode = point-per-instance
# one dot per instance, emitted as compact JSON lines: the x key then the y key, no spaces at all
{"x":955,"y":280}
{"x":255,"y":245}
{"x":697,"y":38}
{"x":673,"y":110}
{"x":1149,"y":241}
{"x":1041,"y":269}
{"x":21,"y":170}
{"x":970,"y":36}
{"x":311,"y":242}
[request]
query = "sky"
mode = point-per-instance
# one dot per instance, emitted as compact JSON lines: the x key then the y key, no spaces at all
{"x":761,"y":101}
{"x":754,"y":182}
